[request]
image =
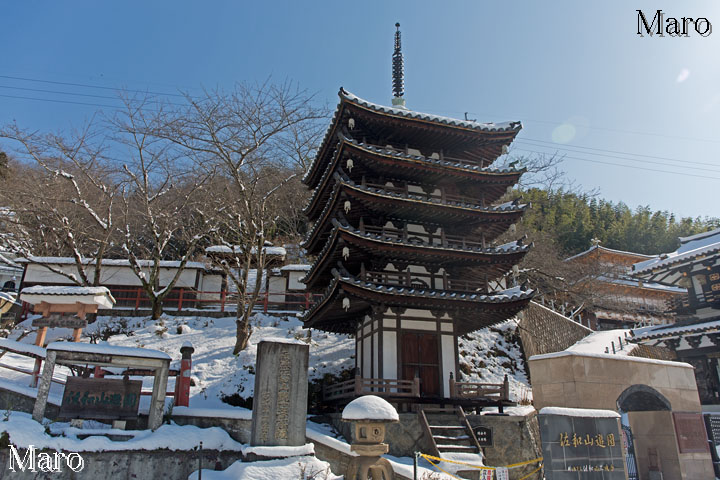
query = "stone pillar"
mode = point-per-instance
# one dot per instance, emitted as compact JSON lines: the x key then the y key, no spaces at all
{"x":157,"y":401}
{"x":280,"y":398}
{"x":44,"y":386}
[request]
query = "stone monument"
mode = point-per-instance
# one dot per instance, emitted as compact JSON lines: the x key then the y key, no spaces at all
{"x":281,"y":390}
{"x":581,"y":444}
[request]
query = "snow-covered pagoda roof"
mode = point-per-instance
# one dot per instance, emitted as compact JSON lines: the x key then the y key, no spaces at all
{"x":700,"y":245}
{"x":428,"y":117}
{"x":489,"y":137}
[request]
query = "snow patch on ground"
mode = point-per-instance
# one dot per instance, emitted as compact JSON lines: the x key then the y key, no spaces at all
{"x":24,"y":431}
{"x":286,"y":468}
{"x":488,"y":354}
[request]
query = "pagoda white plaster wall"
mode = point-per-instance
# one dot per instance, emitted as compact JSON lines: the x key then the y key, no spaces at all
{"x":367,"y":357}
{"x":412,"y":312}
{"x":390,"y":354}
{"x":376,"y":362}
{"x":418,"y":325}
{"x":447,"y":343}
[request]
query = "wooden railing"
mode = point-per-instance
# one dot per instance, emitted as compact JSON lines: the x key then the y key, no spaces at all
{"x":372,"y":386}
{"x":442,"y":197}
{"x":441,"y":155}
{"x":439,"y":239}
{"x":473,"y":390}
{"x":423,"y":280}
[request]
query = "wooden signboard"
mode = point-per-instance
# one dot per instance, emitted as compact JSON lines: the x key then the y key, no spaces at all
{"x":714,"y":286}
{"x":60,"y":320}
{"x":690,"y":432}
{"x":484,"y":436}
{"x":100,"y":398}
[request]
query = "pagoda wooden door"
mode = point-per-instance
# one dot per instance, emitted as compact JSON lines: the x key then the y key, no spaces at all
{"x":420,"y":357}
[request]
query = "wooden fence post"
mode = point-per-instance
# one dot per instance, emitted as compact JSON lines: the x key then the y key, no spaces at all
{"x":182,"y":380}
{"x":180,"y":300}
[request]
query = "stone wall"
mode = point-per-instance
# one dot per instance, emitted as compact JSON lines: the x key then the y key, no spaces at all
{"x":516,"y":438}
{"x":10,"y":400}
{"x":131,"y":464}
{"x":545,"y":331}
{"x":237,"y":428}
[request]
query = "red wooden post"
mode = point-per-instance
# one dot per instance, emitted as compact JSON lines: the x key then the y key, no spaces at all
{"x":98,"y":372}
{"x":137,"y":300}
{"x":180,"y":300}
{"x":223,"y":294}
{"x":182,"y":381}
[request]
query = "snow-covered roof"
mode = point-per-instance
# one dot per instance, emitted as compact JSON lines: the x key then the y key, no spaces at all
{"x":690,"y":247}
{"x":631,"y":282}
{"x":120,"y":262}
{"x":105,"y":348}
{"x":609,"y":356}
{"x":406,"y":113}
{"x":238,"y":249}
{"x":296,"y":268}
{"x":692,"y":327}
{"x":67,"y":295}
{"x":370,"y":408}
{"x":597,"y":342}
{"x":608,"y":250}
{"x":579,"y":412}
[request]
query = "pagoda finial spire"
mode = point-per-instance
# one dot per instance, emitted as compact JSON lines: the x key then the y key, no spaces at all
{"x":398,"y":81}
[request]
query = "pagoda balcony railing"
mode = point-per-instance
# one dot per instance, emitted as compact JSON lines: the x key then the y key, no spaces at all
{"x":441,"y":155}
{"x":443,"y":197}
{"x":439,"y":239}
{"x":423,"y":280}
{"x":383,"y":387}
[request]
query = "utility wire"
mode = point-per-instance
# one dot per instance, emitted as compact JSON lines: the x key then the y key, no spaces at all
{"x":625,"y":158}
{"x":622,"y":165}
{"x":555,"y":145}
{"x":78,"y":94}
{"x":59,"y":101}
{"x":90,"y":86}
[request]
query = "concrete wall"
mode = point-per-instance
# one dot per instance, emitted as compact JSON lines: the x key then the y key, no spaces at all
{"x":569,"y":379}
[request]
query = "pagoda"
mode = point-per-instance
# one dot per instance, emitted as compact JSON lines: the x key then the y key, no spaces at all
{"x":405,"y":212}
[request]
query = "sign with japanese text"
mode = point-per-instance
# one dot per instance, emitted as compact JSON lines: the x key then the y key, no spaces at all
{"x":484,"y":436}
{"x":690,"y":432}
{"x":100,"y":398}
{"x":580,"y":447}
{"x":60,"y":320}
{"x":502,"y":473}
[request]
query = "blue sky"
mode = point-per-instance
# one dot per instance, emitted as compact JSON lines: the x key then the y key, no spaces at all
{"x":576,"y":74}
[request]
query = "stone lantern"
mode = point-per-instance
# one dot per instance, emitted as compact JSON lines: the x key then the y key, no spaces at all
{"x":369,"y":414}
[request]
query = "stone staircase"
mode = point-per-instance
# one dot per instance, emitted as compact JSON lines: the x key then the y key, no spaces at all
{"x":449,"y":431}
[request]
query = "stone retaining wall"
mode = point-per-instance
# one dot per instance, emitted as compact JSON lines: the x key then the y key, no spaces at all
{"x":130,"y":465}
{"x":545,"y":331}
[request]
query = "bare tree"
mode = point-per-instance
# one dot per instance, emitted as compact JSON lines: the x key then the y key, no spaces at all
{"x":63,"y":201}
{"x":259,"y":137}
{"x":162,"y":209}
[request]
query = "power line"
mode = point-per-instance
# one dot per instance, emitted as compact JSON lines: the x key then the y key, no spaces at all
{"x":58,"y":101}
{"x":624,"y":158}
{"x":623,"y":165}
{"x":77,"y":94}
{"x":90,"y":86}
{"x":615,"y":151}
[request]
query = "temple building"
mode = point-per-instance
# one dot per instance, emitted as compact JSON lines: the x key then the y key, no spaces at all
{"x":405,"y":212}
{"x":695,"y":336}
{"x":620,"y":300}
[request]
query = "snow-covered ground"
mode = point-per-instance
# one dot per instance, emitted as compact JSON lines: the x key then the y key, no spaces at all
{"x":487,"y":355}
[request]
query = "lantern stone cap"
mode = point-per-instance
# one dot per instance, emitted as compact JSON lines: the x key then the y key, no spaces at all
{"x":67,"y":295}
{"x":370,"y":408}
